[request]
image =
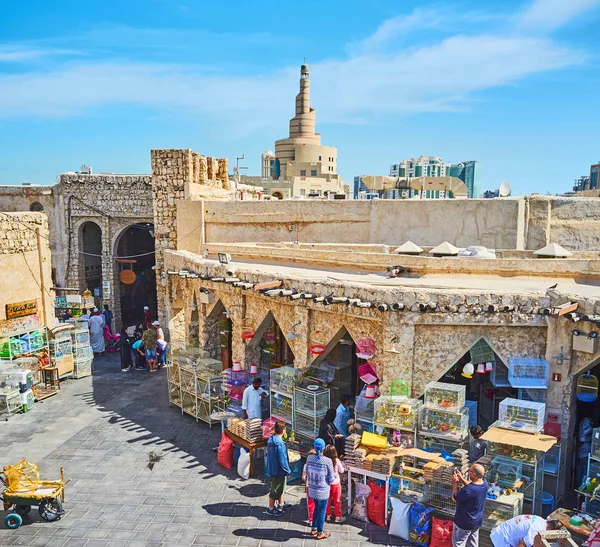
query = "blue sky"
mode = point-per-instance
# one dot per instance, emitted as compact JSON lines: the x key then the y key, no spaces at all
{"x":511,"y":84}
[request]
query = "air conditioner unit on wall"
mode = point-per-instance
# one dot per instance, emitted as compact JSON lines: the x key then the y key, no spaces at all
{"x":585,"y":343}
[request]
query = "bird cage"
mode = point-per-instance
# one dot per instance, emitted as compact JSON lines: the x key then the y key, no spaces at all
{"x":399,"y":387}
{"x":316,"y":344}
{"x":587,"y":388}
{"x":365,"y":348}
{"x":248,"y":329}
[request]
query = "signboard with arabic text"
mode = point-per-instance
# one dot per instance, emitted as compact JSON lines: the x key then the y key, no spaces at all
{"x":20,"y":309}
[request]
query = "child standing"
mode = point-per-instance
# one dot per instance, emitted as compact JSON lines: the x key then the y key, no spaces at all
{"x":309,"y":501}
{"x":335,"y":492}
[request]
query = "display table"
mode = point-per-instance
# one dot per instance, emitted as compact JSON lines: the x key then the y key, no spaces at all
{"x":582,"y":531}
{"x":250,"y":447}
{"x":372,"y":475}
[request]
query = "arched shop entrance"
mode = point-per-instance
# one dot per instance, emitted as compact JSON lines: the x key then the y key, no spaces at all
{"x":136,"y":245}
{"x":485,"y":390}
{"x":273,"y":343}
{"x":340,"y":353}
{"x":90,"y":242}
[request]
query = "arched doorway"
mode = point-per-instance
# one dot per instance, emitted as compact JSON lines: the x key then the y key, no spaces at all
{"x":90,"y":243}
{"x":277,"y":195}
{"x":135,"y":251}
{"x":36,"y":207}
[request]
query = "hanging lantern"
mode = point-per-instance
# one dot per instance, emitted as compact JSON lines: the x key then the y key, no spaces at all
{"x":237,"y":367}
{"x":489,"y":366}
{"x":253,"y":368}
{"x":480,"y":368}
{"x":248,"y":329}
{"x":468,"y":370}
{"x":370,"y":392}
{"x":315,"y":343}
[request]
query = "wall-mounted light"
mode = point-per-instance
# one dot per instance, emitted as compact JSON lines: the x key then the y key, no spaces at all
{"x":561,"y":357}
{"x":393,"y":348}
{"x":293,"y":335}
{"x":576,"y":332}
{"x":593,"y":334}
{"x":224,"y":258}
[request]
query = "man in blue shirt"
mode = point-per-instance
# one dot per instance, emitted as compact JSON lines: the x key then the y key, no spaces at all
{"x":469,"y":506}
{"x":342,"y":415}
{"x":278,"y":467}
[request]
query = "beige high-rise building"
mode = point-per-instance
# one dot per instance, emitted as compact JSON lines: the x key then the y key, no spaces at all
{"x":300,"y":165}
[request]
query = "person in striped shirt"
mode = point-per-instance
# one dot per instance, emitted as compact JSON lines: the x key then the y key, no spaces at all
{"x":319,"y":475}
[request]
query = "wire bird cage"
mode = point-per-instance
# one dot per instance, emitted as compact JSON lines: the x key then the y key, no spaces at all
{"x":399,"y":387}
{"x":528,"y":372}
{"x":587,"y":388}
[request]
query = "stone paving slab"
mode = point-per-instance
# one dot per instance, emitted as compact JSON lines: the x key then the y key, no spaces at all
{"x":102,"y":430}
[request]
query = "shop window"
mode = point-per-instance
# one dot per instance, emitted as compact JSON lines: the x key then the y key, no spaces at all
{"x":302,"y":192}
{"x":302,"y":172}
{"x":313,"y":173}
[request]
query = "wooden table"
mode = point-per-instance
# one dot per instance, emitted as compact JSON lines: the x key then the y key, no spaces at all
{"x":250,"y":447}
{"x":563,"y":516}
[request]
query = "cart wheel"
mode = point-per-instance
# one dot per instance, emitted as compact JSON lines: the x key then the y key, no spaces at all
{"x":22,"y":509}
{"x":13,"y":521}
{"x":50,"y":509}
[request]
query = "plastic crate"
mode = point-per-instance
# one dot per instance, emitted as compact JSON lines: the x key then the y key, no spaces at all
{"x":444,"y":423}
{"x":525,"y":416}
{"x":505,"y":471}
{"x":396,"y":412}
{"x":534,"y":395}
{"x":528,"y":372}
{"x":472,"y":406}
{"x":284,"y":379}
{"x":442,"y":395}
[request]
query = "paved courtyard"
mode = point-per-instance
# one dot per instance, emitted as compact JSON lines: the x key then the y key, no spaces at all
{"x":104,"y":431}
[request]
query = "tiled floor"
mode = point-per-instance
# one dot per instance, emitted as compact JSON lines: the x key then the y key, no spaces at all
{"x":103,"y":430}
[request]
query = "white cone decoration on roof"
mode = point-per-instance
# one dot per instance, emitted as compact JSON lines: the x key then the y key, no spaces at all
{"x":408,"y":248}
{"x":444,"y":249}
{"x":553,"y":250}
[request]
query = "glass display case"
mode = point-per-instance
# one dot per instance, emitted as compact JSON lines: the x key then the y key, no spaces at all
{"x":446,"y":424}
{"x":505,"y":472}
{"x":61,"y":350}
{"x":396,"y":412}
{"x":10,"y":401}
{"x":528,"y":372}
{"x":442,"y":395}
{"x":525,"y":416}
{"x":284,"y":379}
{"x":437,"y":444}
{"x":310,"y":405}
{"x":81,"y":368}
{"x":364,"y":413}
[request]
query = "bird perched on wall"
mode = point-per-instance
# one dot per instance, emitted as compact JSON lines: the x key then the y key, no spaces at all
{"x":553,"y":287}
{"x":395,"y":271}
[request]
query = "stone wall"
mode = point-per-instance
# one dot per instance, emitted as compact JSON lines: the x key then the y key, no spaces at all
{"x":508,"y":223}
{"x":25,"y":263}
{"x":112,"y":202}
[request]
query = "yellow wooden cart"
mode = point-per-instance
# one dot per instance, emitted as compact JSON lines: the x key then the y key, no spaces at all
{"x":23,"y":490}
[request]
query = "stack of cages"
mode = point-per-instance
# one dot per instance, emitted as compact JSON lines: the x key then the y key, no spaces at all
{"x":554,"y":470}
{"x":529,"y":463}
{"x":443,"y":422}
{"x":209,"y":392}
{"x":439,"y":496}
{"x":82,"y":350}
{"x":61,"y":351}
{"x":525,"y":416}
{"x":233,"y":385}
{"x":283,"y":381}
{"x":593,"y":473}
{"x":398,"y":415}
{"x":503,"y":508}
{"x":23,"y":343}
{"x":310,"y":406}
{"x":10,"y":397}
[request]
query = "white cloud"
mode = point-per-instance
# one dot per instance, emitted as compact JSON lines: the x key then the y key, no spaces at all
{"x":551,"y":14}
{"x":369,"y":83}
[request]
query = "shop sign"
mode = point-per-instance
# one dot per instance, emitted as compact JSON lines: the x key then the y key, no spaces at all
{"x":20,"y":309}
{"x":106,"y":290}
